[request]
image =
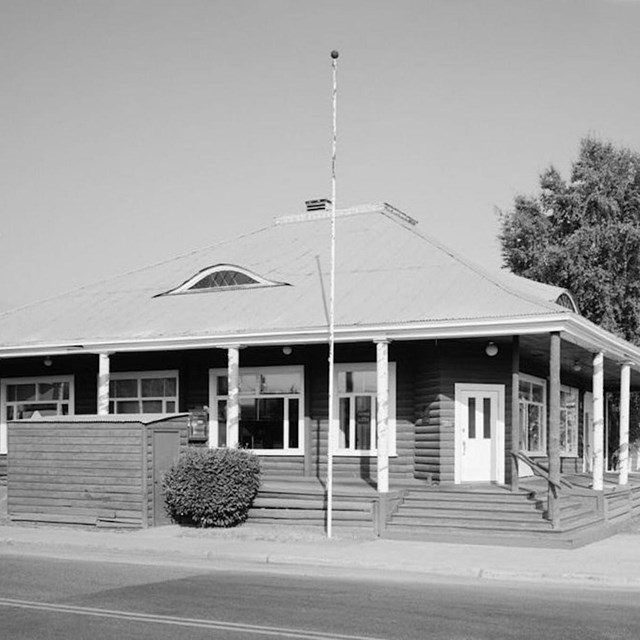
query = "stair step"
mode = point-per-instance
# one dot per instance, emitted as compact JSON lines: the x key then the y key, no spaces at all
{"x":300,"y":503}
{"x":525,"y":507}
{"x":476,"y":496}
{"x":469,"y":523}
{"x":472,"y":514}
{"x":306,"y":514}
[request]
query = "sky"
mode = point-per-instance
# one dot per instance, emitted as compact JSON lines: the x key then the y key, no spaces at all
{"x":132,"y":131}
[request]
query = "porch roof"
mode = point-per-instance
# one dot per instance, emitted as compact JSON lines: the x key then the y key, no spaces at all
{"x":391,"y":281}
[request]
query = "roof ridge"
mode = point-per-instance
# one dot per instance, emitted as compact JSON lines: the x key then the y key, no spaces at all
{"x":484,"y":272}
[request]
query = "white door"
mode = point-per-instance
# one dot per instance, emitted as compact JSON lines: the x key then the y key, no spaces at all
{"x":479,"y":428}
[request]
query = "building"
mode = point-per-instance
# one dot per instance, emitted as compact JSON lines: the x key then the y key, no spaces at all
{"x":466,"y":370}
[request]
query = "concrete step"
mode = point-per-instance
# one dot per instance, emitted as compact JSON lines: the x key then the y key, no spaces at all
{"x":485,"y":524}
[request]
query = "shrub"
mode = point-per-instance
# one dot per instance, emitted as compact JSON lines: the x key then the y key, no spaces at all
{"x":212,"y":487}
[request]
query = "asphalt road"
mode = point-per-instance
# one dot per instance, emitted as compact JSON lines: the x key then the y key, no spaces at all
{"x":72,"y":599}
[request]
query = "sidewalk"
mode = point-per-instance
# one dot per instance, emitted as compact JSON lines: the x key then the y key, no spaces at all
{"x":611,"y":562}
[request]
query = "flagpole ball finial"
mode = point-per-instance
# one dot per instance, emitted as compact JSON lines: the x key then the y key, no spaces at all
{"x":334,"y":54}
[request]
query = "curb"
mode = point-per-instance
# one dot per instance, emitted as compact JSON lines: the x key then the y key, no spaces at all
{"x":284,"y":560}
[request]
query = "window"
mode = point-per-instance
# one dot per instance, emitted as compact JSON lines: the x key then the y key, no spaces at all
{"x":568,"y":421}
{"x":24,"y":398}
{"x":271,"y":403}
{"x":356,"y":412}
{"x":222,"y":277}
{"x":143,"y":392}
{"x":533,"y":418}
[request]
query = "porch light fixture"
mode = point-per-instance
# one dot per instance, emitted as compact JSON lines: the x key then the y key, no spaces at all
{"x":577,"y":366}
{"x":47,"y":361}
{"x":491,"y":349}
{"x":287,"y":351}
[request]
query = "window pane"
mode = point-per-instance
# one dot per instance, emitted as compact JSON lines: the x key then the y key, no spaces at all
{"x":294,"y":439}
{"x":152,"y":406}
{"x":363,"y":422}
{"x":282,"y":383}
{"x":36,"y":410}
{"x":25,"y":392}
{"x":248,"y":383}
{"x":222,"y":386}
{"x":266,"y":430}
{"x":152,"y":387}
{"x":525,"y":388}
{"x":125,"y":389}
{"x":364,"y":381}
{"x":65,"y":409}
{"x":534,"y":435}
{"x":222,"y":423}
{"x":170,"y":387}
{"x":537,"y":393}
{"x":128,"y":406}
{"x":487,"y":418}
{"x":344,"y":441}
{"x":10,"y":412}
{"x":248,"y":409}
{"x":53,"y":391}
{"x":472,"y":418}
{"x":171,"y":406}
{"x":342,"y":381}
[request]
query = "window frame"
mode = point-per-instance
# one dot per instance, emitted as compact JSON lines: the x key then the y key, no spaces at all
{"x":4,"y":382}
{"x":139,"y":376}
{"x":392,"y":427}
{"x":187,"y":286}
{"x":214,"y":398}
{"x":573,"y":452}
{"x":523,"y":377}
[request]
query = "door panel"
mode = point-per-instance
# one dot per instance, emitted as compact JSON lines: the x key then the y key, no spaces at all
{"x":166,"y":450}
{"x":479,"y":433}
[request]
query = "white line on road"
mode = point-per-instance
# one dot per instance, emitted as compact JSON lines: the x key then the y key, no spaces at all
{"x":221,"y":625}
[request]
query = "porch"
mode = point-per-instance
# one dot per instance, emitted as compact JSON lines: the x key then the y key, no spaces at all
{"x":476,"y":513}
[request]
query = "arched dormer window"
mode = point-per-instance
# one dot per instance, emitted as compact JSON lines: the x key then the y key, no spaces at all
{"x":223,"y":277}
{"x":567,"y":301}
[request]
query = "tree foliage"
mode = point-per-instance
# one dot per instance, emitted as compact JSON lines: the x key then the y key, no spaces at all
{"x":583,"y":234}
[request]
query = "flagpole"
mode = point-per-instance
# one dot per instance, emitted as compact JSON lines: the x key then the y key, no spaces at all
{"x":330,"y":434}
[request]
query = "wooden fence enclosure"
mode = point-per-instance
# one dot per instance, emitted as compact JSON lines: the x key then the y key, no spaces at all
{"x":104,"y":471}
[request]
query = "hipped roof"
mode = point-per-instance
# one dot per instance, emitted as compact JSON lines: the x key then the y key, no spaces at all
{"x":391,"y":280}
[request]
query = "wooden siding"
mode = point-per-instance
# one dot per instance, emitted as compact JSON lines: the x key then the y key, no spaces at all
{"x":82,"y":472}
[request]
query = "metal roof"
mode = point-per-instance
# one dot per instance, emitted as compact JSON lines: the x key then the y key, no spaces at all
{"x":389,"y":275}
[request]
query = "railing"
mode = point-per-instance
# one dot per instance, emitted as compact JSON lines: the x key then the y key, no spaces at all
{"x":542,"y":471}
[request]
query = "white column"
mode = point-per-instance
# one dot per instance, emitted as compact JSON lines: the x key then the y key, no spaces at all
{"x":382,"y":369}
{"x":598,"y":421}
{"x":103,"y":384}
{"x":233,"y":407}
{"x":625,"y":397}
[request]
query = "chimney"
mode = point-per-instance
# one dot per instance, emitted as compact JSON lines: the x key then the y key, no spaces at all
{"x":322,"y":204}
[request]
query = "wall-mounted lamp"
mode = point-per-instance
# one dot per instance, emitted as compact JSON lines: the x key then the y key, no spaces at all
{"x":47,"y":361}
{"x":287,"y":351}
{"x":491,"y":349}
{"x":577,"y":366}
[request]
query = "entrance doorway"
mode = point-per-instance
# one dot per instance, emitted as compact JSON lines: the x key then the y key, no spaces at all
{"x":479,"y":433}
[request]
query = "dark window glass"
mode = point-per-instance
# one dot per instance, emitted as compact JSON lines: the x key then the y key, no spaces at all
{"x":363,"y":422}
{"x":472,"y":418}
{"x":222,"y":423}
{"x":222,"y":279}
{"x":487,"y":418}
{"x":344,"y":423}
{"x":294,"y":406}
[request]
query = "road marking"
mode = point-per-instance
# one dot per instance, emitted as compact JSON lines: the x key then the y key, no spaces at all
{"x":221,"y":625}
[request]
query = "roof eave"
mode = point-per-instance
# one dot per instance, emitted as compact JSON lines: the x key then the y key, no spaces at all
{"x":573,"y":327}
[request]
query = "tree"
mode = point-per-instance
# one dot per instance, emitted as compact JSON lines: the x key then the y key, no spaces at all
{"x":584,"y":235}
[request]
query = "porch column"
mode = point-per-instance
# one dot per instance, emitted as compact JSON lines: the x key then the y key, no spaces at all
{"x":515,"y":409}
{"x":382,"y":390}
{"x":553,"y":441}
{"x":625,"y":387}
{"x":598,"y":421}
{"x":103,"y":383}
{"x":233,"y":407}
